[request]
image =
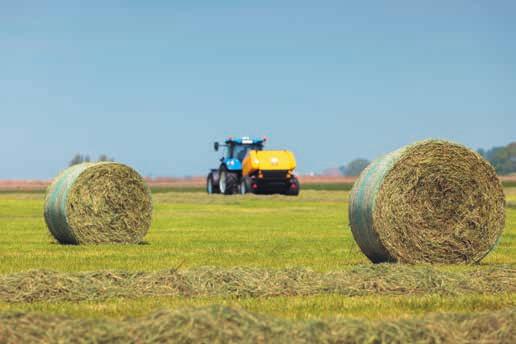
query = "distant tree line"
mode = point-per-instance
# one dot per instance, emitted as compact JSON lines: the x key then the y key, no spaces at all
{"x":80,"y":158}
{"x":503,"y":158}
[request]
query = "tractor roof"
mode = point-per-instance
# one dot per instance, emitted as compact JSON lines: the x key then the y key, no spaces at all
{"x":245,"y":140}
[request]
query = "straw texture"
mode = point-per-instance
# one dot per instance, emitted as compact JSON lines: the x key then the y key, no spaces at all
{"x":98,"y":203}
{"x":219,"y":324}
{"x":433,"y":201}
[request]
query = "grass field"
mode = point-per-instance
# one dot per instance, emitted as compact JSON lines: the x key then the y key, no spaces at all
{"x":192,"y":230}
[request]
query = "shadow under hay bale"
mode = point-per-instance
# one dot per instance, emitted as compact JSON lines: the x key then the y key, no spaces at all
{"x":433,"y":201}
{"x":102,"y":202}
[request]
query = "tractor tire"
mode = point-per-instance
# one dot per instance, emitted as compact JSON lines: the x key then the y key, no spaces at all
{"x":245,"y":185}
{"x":228,"y":182}
{"x":211,"y":187}
{"x":294,"y":187}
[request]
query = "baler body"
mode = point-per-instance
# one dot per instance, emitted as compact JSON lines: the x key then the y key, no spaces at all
{"x":269,"y":171}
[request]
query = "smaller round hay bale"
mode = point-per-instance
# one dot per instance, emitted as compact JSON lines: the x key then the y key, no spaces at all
{"x":433,"y":201}
{"x":101,"y":202}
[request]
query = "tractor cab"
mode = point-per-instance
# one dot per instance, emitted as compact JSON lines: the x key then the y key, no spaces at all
{"x":235,"y":151}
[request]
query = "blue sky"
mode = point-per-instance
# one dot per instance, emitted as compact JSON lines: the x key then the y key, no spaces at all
{"x":154,"y":83}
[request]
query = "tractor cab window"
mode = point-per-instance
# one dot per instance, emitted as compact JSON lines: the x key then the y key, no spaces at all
{"x":227,"y":151}
{"x":239,"y":152}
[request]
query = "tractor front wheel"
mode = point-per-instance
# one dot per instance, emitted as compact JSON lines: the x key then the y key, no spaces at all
{"x":211,"y":187}
{"x":228,"y":182}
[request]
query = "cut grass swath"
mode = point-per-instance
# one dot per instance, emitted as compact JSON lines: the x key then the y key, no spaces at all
{"x":383,"y":279}
{"x":219,"y":324}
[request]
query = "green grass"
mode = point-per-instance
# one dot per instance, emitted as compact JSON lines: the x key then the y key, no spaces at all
{"x":509,"y":184}
{"x":191,"y":229}
{"x":307,"y":186}
{"x":296,"y":307}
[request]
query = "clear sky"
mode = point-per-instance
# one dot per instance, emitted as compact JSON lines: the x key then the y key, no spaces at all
{"x":154,"y":83}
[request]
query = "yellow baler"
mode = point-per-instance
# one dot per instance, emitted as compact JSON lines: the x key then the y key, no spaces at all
{"x":269,"y":171}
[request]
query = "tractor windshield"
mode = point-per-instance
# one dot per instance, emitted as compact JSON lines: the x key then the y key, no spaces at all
{"x":240,"y":151}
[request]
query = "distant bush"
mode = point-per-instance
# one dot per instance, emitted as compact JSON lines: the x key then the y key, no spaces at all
{"x":80,"y":158}
{"x":503,"y":159}
{"x":354,"y":168}
{"x":104,"y":157}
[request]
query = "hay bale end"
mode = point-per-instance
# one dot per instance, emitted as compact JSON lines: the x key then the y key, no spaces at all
{"x":430,"y":202}
{"x":94,"y":203}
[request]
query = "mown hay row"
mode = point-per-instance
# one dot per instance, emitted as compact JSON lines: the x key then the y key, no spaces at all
{"x":218,"y":324}
{"x":98,"y":203}
{"x":383,"y":279}
{"x":433,"y":201}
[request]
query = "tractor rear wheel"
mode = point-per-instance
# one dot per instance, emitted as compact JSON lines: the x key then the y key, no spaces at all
{"x":293,"y":188}
{"x":228,"y":182}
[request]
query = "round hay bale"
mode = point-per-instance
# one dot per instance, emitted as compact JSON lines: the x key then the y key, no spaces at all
{"x":433,"y":201}
{"x":101,"y":202}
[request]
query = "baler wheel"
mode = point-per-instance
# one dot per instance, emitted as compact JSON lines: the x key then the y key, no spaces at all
{"x":293,"y":189}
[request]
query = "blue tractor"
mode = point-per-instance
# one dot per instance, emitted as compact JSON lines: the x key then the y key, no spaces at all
{"x":247,"y":168}
{"x":226,"y":179}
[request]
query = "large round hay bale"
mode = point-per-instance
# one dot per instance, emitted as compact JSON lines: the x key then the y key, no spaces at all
{"x":98,"y":203}
{"x":433,"y":201}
